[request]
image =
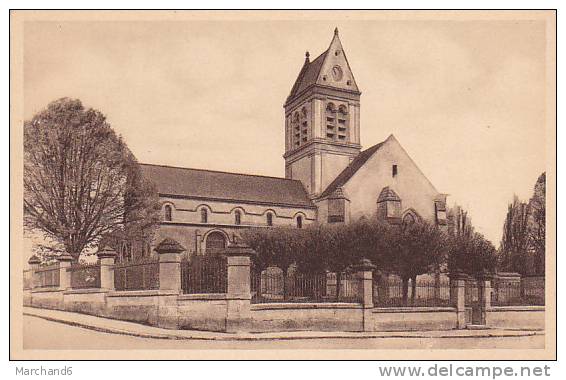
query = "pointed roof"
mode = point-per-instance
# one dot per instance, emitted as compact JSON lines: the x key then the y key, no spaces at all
{"x":351,"y":169}
{"x":388,"y":194}
{"x":338,"y":194}
{"x":320,"y":71}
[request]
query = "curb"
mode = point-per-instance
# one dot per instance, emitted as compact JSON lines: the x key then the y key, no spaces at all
{"x":251,"y":337}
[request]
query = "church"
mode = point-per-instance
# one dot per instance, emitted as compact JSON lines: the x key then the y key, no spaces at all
{"x":328,"y":177}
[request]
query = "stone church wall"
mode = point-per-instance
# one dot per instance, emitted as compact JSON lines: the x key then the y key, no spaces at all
{"x":186,"y":226}
{"x":410,"y":184}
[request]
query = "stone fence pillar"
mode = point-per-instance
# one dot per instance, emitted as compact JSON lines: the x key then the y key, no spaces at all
{"x":34,"y":262}
{"x":65,"y":261}
{"x":458,"y":298}
{"x":484,"y":289}
{"x":169,"y":252}
{"x":169,"y":283}
{"x":106,"y":257}
{"x":238,"y":295}
{"x":364,"y":271}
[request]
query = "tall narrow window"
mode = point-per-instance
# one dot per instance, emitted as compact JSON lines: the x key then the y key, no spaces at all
{"x":342,"y":119}
{"x":168,"y":213}
{"x":394,"y":171}
{"x":330,"y":121}
{"x":203,"y":215}
{"x":336,"y":122}
{"x":238,"y":217}
{"x":269,"y":219}
{"x":299,"y":222}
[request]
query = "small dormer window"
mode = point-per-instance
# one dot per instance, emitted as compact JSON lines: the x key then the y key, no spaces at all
{"x":440,"y":208}
{"x":299,"y":222}
{"x":394,"y":171}
{"x":336,"y":210}
{"x":269,"y":219}
{"x":238,"y":217}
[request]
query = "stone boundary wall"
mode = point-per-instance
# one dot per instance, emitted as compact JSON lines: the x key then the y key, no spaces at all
{"x":233,"y":312}
{"x":306,"y":316}
{"x":517,"y":317}
{"x":209,"y":312}
{"x":413,"y":318}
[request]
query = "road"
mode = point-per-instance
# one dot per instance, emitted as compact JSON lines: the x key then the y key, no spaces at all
{"x":42,"y":334}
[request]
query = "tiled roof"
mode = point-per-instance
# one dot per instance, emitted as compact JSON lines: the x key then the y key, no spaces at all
{"x":351,"y":169}
{"x":338,"y":194}
{"x":308,"y":75}
{"x":387,"y":194}
{"x":201,"y":183}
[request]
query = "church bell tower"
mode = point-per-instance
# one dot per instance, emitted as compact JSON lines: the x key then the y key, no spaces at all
{"x":322,"y":120}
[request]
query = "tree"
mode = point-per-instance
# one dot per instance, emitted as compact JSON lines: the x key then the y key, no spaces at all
{"x":459,"y":223}
{"x":414,"y":249}
{"x":311,"y":253}
{"x":472,"y":254}
{"x":276,"y":246}
{"x":337,"y":249}
{"x":515,"y":241}
{"x":537,"y":224}
{"x":81,"y":182}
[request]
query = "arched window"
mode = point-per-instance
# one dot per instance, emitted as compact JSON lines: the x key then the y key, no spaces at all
{"x":342,"y":119}
{"x":168,"y":213}
{"x":215,"y":241}
{"x":269,"y":219}
{"x":336,"y":122}
{"x":238,"y":217}
{"x":330,"y":121}
{"x":203,"y":215}
{"x":299,"y":221}
{"x":409,"y":219}
{"x":296,"y":129}
{"x":300,"y":127}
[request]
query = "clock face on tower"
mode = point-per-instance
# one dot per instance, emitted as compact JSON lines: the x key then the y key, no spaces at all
{"x":337,"y":73}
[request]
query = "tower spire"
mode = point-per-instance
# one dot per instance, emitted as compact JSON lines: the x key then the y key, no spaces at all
{"x":336,"y":31}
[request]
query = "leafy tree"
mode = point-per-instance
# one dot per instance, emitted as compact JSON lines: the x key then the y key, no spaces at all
{"x":414,"y":249}
{"x":311,"y":253}
{"x":81,"y":182}
{"x":537,"y":224}
{"x":274,"y":247}
{"x":471,"y":254}
{"x":337,"y":250}
{"x":515,"y":241}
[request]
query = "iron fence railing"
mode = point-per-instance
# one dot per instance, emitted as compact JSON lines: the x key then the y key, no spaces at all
{"x":47,"y":276}
{"x":389,"y":293}
{"x":84,"y":276}
{"x":271,"y":286}
{"x":138,"y":275}
{"x":28,"y":279}
{"x":506,"y":293}
{"x":204,"y":274}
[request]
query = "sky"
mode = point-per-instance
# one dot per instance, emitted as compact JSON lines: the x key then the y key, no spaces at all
{"x":466,"y":99}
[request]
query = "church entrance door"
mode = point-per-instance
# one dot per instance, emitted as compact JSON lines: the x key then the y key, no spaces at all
{"x":215,"y":242}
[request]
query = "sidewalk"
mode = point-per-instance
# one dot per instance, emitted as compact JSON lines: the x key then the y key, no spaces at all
{"x":135,"y":329}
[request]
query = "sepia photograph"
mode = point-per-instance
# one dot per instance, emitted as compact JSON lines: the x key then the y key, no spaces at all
{"x":283,"y":184}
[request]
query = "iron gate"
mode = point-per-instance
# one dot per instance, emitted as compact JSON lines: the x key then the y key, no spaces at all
{"x":475,"y":313}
